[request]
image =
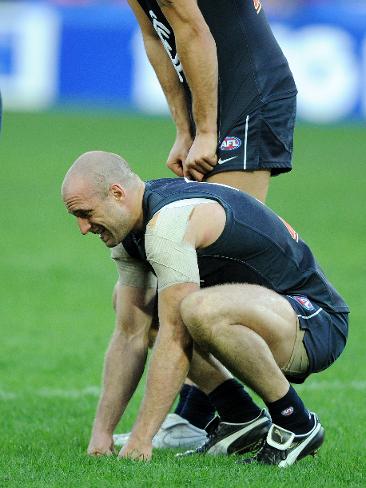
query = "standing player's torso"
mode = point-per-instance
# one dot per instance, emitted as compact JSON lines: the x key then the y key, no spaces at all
{"x":256,"y":246}
{"x":252,"y":67}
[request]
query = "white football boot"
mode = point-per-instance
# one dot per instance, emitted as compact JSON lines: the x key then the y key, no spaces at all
{"x":175,"y":432}
{"x":284,"y":448}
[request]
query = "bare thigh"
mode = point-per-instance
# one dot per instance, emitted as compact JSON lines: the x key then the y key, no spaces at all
{"x":255,"y":183}
{"x":262,"y":310}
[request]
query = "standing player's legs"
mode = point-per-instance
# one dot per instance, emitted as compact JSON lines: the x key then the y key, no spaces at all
{"x":256,"y":183}
{"x":253,"y":331}
{"x":258,"y":146}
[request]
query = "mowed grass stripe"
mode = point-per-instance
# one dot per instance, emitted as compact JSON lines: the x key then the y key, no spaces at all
{"x":94,"y":391}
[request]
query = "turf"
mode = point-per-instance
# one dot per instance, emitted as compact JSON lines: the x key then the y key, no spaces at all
{"x":56,"y":315}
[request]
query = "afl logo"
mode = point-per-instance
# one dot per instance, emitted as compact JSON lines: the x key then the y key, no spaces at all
{"x":230,"y":143}
{"x":305,"y":302}
{"x":288,"y":411}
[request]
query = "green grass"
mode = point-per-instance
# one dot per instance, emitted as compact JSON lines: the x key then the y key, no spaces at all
{"x":56,"y":315}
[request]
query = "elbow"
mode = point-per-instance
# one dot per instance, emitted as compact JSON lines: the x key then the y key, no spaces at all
{"x":151,"y":43}
{"x":195,"y":31}
{"x":178,"y":339}
{"x":136,"y":338}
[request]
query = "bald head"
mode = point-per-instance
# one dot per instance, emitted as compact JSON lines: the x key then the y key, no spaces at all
{"x":104,"y":195}
{"x":98,"y":170}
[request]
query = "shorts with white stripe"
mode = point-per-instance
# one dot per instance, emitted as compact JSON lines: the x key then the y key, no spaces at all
{"x":324,"y":335}
{"x":260,"y":140}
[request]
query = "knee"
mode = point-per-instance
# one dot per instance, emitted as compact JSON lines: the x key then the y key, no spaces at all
{"x":198,"y":315}
{"x":193,"y":308}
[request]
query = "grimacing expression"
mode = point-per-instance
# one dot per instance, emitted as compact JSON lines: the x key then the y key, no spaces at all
{"x":104,"y":216}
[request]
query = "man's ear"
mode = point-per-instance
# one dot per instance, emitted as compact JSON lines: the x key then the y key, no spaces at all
{"x":117,"y":191}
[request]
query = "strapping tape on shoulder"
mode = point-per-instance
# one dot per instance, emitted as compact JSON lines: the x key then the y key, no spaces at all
{"x":131,"y":271}
{"x":173,"y":259}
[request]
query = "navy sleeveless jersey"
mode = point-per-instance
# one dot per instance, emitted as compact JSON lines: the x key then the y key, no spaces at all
{"x":252,"y":68}
{"x":256,"y":246}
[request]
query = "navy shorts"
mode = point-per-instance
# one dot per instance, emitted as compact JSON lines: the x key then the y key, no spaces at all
{"x":325,"y":332}
{"x":261,"y":140}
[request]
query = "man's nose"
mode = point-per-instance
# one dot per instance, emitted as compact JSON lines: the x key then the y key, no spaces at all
{"x":84,"y":225}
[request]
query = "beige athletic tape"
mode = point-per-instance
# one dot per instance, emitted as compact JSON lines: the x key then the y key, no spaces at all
{"x":131,"y":271}
{"x":174,"y":260}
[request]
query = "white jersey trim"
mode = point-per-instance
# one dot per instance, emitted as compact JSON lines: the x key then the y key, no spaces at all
{"x":246,"y":141}
{"x":307,"y":317}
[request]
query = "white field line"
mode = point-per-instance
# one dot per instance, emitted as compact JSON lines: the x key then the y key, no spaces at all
{"x":93,"y":391}
{"x":332,"y":385}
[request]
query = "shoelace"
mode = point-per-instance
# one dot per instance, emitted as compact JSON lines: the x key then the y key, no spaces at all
{"x":207,"y":444}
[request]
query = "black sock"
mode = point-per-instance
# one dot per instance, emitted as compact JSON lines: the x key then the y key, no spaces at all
{"x":233,"y":403}
{"x":198,"y":409}
{"x":290,"y":413}
{"x":183,"y":395}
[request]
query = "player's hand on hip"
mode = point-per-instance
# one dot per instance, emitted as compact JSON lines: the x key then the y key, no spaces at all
{"x":101,"y":445}
{"x":202,"y":157}
{"x":136,"y":451}
{"x":178,"y":153}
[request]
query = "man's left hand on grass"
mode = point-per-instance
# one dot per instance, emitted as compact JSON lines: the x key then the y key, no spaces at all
{"x":101,"y":444}
{"x":136,"y":451}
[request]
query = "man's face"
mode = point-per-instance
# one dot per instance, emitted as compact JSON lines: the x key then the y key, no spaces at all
{"x":104,"y":216}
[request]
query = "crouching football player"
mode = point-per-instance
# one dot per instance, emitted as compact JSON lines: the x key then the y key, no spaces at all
{"x":236,"y":286}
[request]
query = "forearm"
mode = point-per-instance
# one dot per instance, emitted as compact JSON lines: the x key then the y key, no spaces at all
{"x":173,"y":89}
{"x":197,"y":52}
{"x":168,"y":369}
{"x":124,"y":365}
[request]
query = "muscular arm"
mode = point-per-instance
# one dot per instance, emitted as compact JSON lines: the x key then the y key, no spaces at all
{"x":173,"y":257}
{"x":124,"y":363}
{"x":171,"y":86}
{"x":197,"y":52}
{"x":168,"y":369}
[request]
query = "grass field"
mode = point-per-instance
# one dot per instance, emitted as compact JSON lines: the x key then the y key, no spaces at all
{"x":56,"y":316}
